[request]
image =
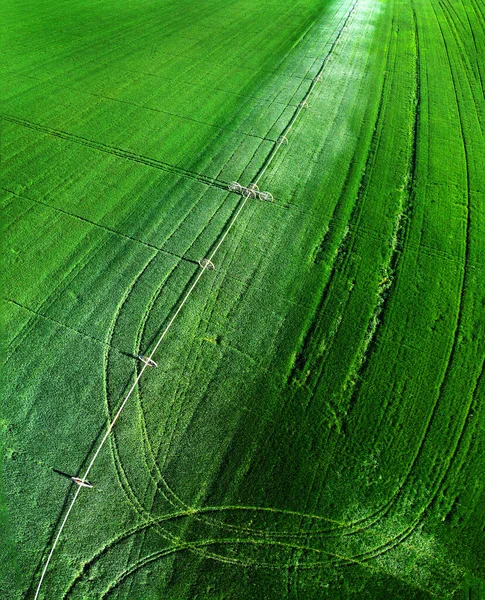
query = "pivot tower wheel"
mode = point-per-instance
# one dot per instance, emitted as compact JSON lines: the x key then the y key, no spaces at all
{"x":205,"y":263}
{"x":251,"y":191}
{"x":148,"y":361}
{"x":266,"y":196}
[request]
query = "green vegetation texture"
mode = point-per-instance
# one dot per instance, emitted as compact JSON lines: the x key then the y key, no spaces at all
{"x":315,"y":428}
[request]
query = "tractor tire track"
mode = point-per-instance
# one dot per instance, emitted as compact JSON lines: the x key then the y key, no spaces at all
{"x":441,"y":477}
{"x":119,"y":152}
{"x":134,"y":501}
{"x":152,"y":108}
{"x":64,"y":278}
{"x":51,"y":538}
{"x":463,"y":287}
{"x":341,"y":250}
{"x":342,"y":256}
{"x":84,"y":219}
{"x":470,"y":73}
{"x":400,"y":236}
{"x":60,"y":324}
{"x":136,"y":529}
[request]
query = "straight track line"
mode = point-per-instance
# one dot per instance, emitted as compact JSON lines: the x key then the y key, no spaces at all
{"x":109,"y":230}
{"x":113,"y":150}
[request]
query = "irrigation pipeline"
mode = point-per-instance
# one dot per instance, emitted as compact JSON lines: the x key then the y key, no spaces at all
{"x":205,"y":265}
{"x":132,"y":388}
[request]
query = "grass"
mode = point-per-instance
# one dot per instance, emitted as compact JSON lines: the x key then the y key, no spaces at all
{"x":315,"y":426}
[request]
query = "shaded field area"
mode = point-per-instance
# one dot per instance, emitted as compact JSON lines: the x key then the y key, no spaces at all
{"x":315,"y":427}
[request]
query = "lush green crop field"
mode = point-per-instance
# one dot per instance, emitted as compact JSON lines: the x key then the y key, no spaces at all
{"x":316,"y":425}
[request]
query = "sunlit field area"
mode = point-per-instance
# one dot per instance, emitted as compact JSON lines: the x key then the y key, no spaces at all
{"x":315,"y":425}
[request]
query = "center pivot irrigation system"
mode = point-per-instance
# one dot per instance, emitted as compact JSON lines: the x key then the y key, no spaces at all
{"x":248,"y":192}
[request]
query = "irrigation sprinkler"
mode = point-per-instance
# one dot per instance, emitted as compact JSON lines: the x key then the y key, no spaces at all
{"x":251,"y":191}
{"x":82,"y":482}
{"x":303,"y":104}
{"x":266,"y":196}
{"x":205,"y":263}
{"x":282,"y":139}
{"x":317,"y":78}
{"x":148,"y":361}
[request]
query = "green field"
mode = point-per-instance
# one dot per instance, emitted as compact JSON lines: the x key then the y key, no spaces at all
{"x":315,"y":428}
